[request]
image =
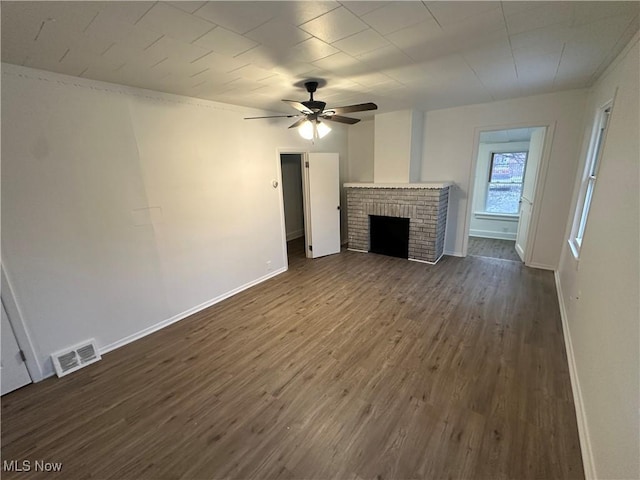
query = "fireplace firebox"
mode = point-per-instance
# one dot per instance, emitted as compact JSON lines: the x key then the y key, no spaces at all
{"x":389,"y":236}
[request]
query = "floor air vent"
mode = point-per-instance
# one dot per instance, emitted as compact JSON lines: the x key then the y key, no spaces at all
{"x":73,"y":358}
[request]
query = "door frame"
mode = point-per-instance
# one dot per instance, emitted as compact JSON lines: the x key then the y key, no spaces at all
{"x":23,"y":337}
{"x":303,"y":158}
{"x":539,"y":186}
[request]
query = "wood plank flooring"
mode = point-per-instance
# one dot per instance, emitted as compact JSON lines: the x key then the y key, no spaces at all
{"x":353,"y":366}
{"x":493,"y":248}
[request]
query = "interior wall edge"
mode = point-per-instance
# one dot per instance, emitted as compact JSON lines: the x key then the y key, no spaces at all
{"x":581,"y":419}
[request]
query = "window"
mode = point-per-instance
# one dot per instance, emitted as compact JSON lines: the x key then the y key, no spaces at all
{"x":589,"y":179}
{"x":506,"y":173}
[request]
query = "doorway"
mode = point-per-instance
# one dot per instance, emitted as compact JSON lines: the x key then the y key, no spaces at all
{"x":311,"y":185}
{"x":293,"y":199}
{"x":504,"y":184}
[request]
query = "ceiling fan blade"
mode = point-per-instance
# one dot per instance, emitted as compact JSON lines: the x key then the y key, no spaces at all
{"x":272,"y":116}
{"x":298,"y":123}
{"x":298,"y":106}
{"x":340,"y":119}
{"x":362,"y":107}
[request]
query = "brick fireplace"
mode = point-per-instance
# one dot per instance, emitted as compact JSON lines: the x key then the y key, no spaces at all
{"x":424,"y":204}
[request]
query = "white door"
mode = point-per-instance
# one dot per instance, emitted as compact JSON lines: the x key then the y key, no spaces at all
{"x":13,"y":371}
{"x":536,"y":145}
{"x":322,"y":179}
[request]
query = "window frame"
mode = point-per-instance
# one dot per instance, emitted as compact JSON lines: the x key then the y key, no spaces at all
{"x":489,"y":182}
{"x":590,"y":177}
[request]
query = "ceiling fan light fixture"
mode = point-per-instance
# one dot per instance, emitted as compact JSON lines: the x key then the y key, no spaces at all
{"x":312,"y":129}
{"x":322,"y":129}
{"x":306,"y":130}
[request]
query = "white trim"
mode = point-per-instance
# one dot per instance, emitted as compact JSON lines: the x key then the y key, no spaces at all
{"x":425,"y":261}
{"x":21,"y":330}
{"x":581,"y":418}
{"x":356,"y":250}
{"x":507,"y":217}
{"x":452,"y":253}
{"x":186,"y":313}
{"x":541,"y":266}
{"x":492,"y":234}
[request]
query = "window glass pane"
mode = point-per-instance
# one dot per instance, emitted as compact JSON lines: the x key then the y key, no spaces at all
{"x":507,"y":167}
{"x":503,"y":198}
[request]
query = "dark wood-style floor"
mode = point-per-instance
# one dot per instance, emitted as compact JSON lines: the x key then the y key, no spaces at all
{"x":353,"y":366}
{"x":493,"y":248}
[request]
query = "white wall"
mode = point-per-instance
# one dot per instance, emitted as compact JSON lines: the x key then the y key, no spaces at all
{"x":361,"y":140}
{"x":397,"y":146}
{"x":599,"y":295}
{"x":481,"y":225}
{"x":124,"y":208}
{"x":292,"y":195}
{"x":448,"y":151}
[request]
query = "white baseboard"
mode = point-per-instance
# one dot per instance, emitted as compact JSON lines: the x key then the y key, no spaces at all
{"x":491,"y":234}
{"x":425,"y":261}
{"x":295,"y":234}
{"x":186,"y":313}
{"x":541,"y":266}
{"x":583,"y":432}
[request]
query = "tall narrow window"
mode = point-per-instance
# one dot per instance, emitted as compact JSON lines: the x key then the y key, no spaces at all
{"x":589,"y":179}
{"x":506,"y":174}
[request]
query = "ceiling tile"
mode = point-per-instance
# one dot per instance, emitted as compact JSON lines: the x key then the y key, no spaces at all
{"x":310,"y":51}
{"x":361,"y":42}
{"x":217,"y":62}
{"x":448,"y":13}
{"x":384,"y":58}
{"x":341,"y":63}
{"x":588,"y":12}
{"x":302,"y":12}
{"x":294,"y":69}
{"x":261,"y":56}
{"x":129,"y":12}
{"x":550,"y":13}
{"x":278,"y":34}
{"x":415,"y":35}
{"x":362,"y":8}
{"x":187,"y":6}
{"x":168,"y":47}
{"x":335,"y":25}
{"x":479,"y":25}
{"x":175,"y":23}
{"x":542,"y":40}
{"x":239,"y":17}
{"x":398,"y":15}
{"x":225,"y":42}
{"x":112,"y":30}
{"x":251,"y":72}
{"x":534,"y":71}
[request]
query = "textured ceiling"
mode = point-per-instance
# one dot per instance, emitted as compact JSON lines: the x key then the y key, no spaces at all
{"x":408,"y":54}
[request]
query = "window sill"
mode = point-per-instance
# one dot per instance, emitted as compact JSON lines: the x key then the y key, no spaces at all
{"x":514,"y":217}
{"x":575,"y":249}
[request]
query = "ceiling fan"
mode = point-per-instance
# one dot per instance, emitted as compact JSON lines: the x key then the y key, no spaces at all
{"x":313,"y":111}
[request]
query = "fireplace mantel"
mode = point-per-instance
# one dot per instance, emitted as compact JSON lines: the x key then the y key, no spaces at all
{"x":429,"y":185}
